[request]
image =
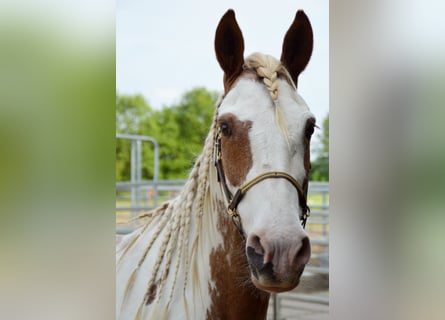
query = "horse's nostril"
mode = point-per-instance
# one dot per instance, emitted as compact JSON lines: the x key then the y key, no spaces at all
{"x":255,"y":251}
{"x":255,"y":259}
{"x":304,"y":253}
{"x":254,"y":242}
{"x":259,"y":257}
{"x":257,"y":265}
{"x":255,"y":254}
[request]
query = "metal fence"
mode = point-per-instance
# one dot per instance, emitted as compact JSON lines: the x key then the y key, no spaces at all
{"x":134,"y":198}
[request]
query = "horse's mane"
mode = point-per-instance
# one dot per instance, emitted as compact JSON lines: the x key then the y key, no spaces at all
{"x":174,"y":217}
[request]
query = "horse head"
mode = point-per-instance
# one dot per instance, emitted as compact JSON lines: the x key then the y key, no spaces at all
{"x":262,"y":144}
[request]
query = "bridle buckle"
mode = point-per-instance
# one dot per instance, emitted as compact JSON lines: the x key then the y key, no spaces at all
{"x":232,"y":212}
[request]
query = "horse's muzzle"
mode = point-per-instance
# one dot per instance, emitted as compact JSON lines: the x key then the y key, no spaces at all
{"x":277,"y":268}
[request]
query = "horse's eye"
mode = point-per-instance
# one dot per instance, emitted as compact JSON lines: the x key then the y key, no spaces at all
{"x":225,"y":129}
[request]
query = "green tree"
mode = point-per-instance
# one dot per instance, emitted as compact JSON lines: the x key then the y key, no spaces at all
{"x":320,"y":166}
{"x":179,"y":129}
{"x":183,"y":129}
{"x":132,"y":113}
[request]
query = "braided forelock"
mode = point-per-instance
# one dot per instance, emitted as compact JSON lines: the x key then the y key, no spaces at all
{"x":269,"y":68}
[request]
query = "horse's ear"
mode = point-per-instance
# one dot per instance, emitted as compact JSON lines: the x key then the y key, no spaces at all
{"x":297,"y":45}
{"x":229,"y":48}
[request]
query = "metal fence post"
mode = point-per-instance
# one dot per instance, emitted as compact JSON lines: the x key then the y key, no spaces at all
{"x":136,"y":168}
{"x":133,"y":176}
{"x":156,"y":173}
{"x":276,"y":307}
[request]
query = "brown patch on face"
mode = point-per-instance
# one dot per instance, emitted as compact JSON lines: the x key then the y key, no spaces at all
{"x":235,"y":148}
{"x":233,"y":296}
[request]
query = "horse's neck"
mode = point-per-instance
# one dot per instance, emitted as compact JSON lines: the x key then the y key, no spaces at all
{"x":232,"y":293}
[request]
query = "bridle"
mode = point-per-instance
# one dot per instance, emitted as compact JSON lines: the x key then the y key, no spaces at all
{"x":234,"y":200}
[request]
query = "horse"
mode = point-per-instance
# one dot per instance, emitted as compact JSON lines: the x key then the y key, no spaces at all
{"x":235,"y":234}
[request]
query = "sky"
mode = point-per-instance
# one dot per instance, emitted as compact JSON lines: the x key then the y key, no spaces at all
{"x":164,"y":48}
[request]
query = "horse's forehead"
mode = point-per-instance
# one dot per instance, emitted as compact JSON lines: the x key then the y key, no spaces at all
{"x":249,"y":99}
{"x":246,"y":98}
